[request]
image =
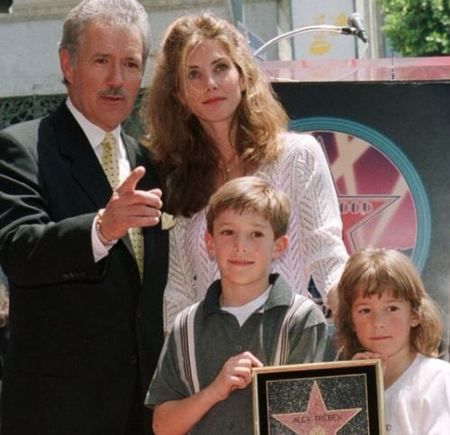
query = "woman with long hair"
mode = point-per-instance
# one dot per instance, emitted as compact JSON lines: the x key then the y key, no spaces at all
{"x":209,"y":116}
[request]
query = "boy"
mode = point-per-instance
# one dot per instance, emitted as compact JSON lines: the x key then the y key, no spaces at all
{"x":239,"y":324}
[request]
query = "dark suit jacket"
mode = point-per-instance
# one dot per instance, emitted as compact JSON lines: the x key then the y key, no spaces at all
{"x":80,"y":331}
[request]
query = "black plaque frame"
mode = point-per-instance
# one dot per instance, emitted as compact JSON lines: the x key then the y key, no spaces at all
{"x":343,"y":385}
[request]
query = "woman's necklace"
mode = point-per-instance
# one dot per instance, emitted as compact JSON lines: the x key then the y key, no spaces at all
{"x":228,"y":169}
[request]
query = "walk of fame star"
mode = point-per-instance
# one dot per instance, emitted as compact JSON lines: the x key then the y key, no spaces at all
{"x":317,"y":419}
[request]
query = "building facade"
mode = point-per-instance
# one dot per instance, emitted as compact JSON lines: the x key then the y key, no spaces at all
{"x":30,"y":78}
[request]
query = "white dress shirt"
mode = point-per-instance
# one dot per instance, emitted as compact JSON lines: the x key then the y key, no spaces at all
{"x":95,"y":137}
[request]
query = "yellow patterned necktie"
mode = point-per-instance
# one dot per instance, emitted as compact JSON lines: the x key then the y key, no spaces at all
{"x":110,"y":165}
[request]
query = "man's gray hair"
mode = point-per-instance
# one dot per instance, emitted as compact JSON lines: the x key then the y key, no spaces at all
{"x":122,"y":13}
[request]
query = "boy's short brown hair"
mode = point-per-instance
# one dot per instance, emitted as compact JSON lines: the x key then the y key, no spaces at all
{"x":251,"y":194}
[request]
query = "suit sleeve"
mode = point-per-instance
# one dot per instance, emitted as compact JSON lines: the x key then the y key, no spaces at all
{"x":35,"y":250}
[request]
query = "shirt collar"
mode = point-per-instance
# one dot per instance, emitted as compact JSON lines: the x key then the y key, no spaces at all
{"x":280,"y":294}
{"x":93,"y":133}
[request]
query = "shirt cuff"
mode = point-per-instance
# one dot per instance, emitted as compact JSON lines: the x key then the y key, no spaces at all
{"x":99,"y":249}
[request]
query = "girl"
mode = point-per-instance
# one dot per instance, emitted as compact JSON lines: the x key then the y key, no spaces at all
{"x":384,"y":312}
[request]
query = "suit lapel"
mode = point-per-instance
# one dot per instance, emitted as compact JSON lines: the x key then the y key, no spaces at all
{"x":86,"y":168}
{"x":130,"y":147}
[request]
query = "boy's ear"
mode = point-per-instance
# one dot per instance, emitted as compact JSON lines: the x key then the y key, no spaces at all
{"x":280,"y":246}
{"x":209,"y":243}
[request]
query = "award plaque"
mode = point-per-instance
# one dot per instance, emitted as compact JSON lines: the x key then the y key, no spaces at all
{"x":343,"y":397}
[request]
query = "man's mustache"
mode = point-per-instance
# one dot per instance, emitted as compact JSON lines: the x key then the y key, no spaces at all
{"x":114,"y":92}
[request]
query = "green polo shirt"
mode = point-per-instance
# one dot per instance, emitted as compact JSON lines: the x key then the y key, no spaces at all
{"x":218,"y":336}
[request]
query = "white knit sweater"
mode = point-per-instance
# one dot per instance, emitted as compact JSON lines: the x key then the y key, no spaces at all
{"x":315,"y":240}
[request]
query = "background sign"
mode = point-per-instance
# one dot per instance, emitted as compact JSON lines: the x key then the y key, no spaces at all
{"x":388,"y":145}
{"x":322,"y":45}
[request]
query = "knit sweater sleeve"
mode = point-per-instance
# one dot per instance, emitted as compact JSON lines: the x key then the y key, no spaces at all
{"x":178,"y":293}
{"x":316,"y":215}
{"x":316,"y":248}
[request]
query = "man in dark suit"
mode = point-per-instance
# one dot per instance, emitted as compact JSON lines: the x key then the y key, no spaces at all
{"x":85,"y":309}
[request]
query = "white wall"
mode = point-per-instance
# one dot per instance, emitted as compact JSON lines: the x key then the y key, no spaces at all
{"x":28,"y":60}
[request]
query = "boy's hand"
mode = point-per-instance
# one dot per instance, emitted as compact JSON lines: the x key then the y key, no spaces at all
{"x":180,"y":416}
{"x":236,"y":373}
